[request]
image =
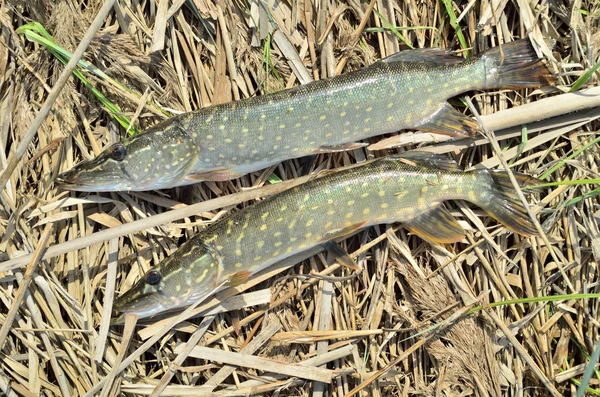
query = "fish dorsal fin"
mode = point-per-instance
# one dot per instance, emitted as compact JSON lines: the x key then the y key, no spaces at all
{"x":437,"y":226}
{"x":438,"y":56}
{"x":430,"y":160}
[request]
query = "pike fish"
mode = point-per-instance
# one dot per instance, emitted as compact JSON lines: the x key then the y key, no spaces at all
{"x":408,"y":188}
{"x":408,"y":90}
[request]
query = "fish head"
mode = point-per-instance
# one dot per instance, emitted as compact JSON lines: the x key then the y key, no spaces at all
{"x":157,"y":159}
{"x":190,"y":274}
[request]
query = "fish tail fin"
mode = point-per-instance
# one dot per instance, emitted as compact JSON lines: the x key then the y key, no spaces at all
{"x":501,"y":202}
{"x":515,"y":65}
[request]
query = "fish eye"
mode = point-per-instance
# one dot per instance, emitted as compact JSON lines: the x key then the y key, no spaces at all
{"x":118,"y":152}
{"x":152,"y":277}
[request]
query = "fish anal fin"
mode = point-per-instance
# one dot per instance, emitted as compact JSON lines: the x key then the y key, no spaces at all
{"x":449,"y":121}
{"x":437,"y":226}
{"x":339,"y":233}
{"x":341,"y":148}
{"x":214,"y":176}
{"x":340,"y":255}
{"x":431,"y":160}
{"x":437,"y":56}
{"x":239,"y":277}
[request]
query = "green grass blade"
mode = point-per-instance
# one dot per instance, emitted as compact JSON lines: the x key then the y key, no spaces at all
{"x":584,"y":78}
{"x":456,"y":26}
{"x":393,"y":29}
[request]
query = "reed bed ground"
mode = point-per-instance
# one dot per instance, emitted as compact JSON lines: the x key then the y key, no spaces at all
{"x":494,"y":315}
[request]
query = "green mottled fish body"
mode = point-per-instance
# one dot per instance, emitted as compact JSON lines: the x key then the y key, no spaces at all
{"x":324,"y":209}
{"x":407,"y":90}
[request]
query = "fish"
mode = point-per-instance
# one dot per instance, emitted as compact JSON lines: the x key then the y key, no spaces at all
{"x":407,"y":90}
{"x":410,"y":188}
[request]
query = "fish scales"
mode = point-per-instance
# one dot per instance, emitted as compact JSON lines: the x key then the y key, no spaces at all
{"x":408,"y":90}
{"x":382,"y":191}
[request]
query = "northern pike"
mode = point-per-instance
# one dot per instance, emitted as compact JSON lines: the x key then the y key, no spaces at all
{"x":407,"y":90}
{"x":408,"y":188}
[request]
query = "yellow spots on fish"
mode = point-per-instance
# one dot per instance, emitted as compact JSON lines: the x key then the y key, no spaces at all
{"x":282,"y":126}
{"x":408,"y":118}
{"x":275,"y":253}
{"x":219,"y":247}
{"x":421,"y":202}
{"x":209,"y":137}
{"x":459,"y":190}
{"x":289,"y":249}
{"x":328,"y":225}
{"x":278,"y":244}
{"x":245,"y":225}
{"x":292,"y":239}
{"x":228,"y":140}
{"x":428,"y":102}
{"x":381,"y":193}
{"x":238,"y":252}
{"x":367,"y":129}
{"x":390,"y":118}
{"x":240,"y":237}
{"x":263,"y":227}
{"x":307,"y":132}
{"x":424,"y":189}
{"x":201,"y":277}
{"x":222,"y":127}
{"x":328,"y":135}
{"x":178,"y":288}
{"x":306,"y":198}
{"x":260,"y":137}
{"x":238,"y":265}
{"x":330,"y":212}
{"x":365,"y":194}
{"x":369,"y":109}
{"x":279,"y":219}
{"x":289,"y":110}
{"x":323,"y":117}
{"x":241,"y":145}
{"x":292,"y":224}
{"x":346,"y":132}
{"x":260,"y":244}
{"x":366,"y":211}
{"x":211,"y":238}
{"x":471,"y":195}
{"x":308,"y":235}
{"x":349,"y":215}
{"x":254,"y":151}
{"x":411,"y":102}
{"x":390,"y":105}
{"x":429,"y":89}
{"x":367,"y":120}
{"x":401,"y":194}
{"x":263,"y":116}
{"x":295,"y":149}
{"x":229,"y":226}
{"x":411,"y":89}
{"x":446,"y":85}
{"x":384,"y":205}
{"x":221,"y":156}
{"x":351,"y":202}
{"x":342,"y":114}
{"x":298,"y":125}
{"x":348,"y":189}
{"x":275,"y":147}
{"x":262,"y":127}
{"x":257,"y":258}
{"x":277,"y":234}
{"x":457,"y":89}
{"x":283,"y":207}
{"x":264,"y":215}
{"x":310,"y":222}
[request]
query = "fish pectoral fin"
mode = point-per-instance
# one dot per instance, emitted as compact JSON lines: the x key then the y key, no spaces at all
{"x":238,"y":278}
{"x":341,"y":148}
{"x":436,"y":56}
{"x":437,"y":226}
{"x":340,"y":255}
{"x":449,"y":121}
{"x":431,"y":160}
{"x":214,"y":176}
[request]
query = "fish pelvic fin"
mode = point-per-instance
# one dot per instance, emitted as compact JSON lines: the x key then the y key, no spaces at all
{"x":449,"y":121}
{"x":503,"y":204}
{"x":437,"y":226}
{"x":515,"y":65}
{"x":238,"y":278}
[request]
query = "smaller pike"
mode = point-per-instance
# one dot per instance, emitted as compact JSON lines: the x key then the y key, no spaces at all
{"x":408,"y":188}
{"x":408,"y":90}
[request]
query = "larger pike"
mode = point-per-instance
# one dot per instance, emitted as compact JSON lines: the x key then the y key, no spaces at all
{"x":408,"y":188}
{"x":408,"y":90}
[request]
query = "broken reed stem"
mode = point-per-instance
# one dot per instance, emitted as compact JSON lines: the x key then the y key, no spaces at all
{"x":60,"y":83}
{"x":16,"y":305}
